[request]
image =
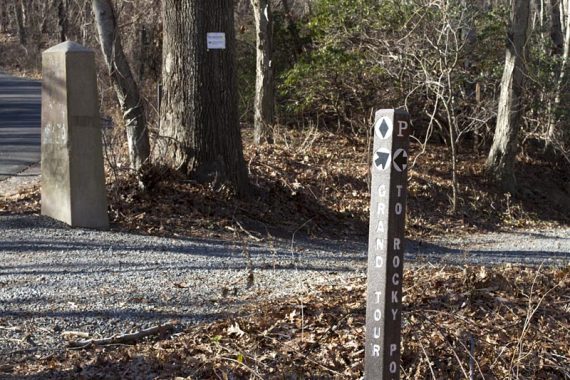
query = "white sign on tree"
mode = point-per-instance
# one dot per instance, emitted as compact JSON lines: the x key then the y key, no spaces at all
{"x":216,"y":41}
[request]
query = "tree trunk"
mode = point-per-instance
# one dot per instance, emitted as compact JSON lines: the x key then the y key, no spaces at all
{"x":45,"y":15}
{"x":293,"y":29}
{"x":26,"y":4}
{"x":561,"y":88}
{"x":556,"y":34}
{"x":264,"y":84}
{"x":199,"y":122}
{"x":537,"y":13}
{"x":18,"y":10}
{"x":85,"y":22}
{"x":123,"y":82}
{"x":3,"y":17}
{"x":142,"y":52}
{"x":33,"y":27}
{"x":62,"y":20}
{"x":500,"y":163}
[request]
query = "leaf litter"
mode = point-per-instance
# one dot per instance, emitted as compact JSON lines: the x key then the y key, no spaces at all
{"x":316,"y":183}
{"x":507,"y":322}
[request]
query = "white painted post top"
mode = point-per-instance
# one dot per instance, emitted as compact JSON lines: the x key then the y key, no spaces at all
{"x":68,"y":47}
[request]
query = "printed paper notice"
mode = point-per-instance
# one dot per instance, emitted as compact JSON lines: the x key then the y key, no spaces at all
{"x":216,"y":40}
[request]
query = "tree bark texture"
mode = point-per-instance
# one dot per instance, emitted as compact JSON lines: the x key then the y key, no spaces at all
{"x":264,"y":84}
{"x":555,"y":134}
{"x":62,"y":9}
{"x":33,"y":26}
{"x":45,"y":7}
{"x":500,"y":162}
{"x":18,"y":10}
{"x":125,"y":86}
{"x":199,"y":121}
{"x":86,"y":20}
{"x":556,"y":34}
{"x":537,"y":12}
{"x":3,"y":17}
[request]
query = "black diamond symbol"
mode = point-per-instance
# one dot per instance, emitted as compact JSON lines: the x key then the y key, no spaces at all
{"x":384,"y":128}
{"x":381,"y":159}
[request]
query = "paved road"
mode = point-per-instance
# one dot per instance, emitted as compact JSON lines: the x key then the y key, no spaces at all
{"x":20,"y":118}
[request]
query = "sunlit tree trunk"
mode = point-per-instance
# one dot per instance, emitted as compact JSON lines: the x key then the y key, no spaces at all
{"x":501,"y":159}
{"x":199,"y":120}
{"x":125,"y":86}
{"x":86,"y":20}
{"x":264,"y":87}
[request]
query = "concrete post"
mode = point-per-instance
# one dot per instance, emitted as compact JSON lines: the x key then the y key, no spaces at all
{"x":73,"y":180}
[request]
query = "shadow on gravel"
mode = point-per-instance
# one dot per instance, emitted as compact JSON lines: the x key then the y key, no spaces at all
{"x":140,"y":317}
{"x":427,"y":252}
{"x":135,"y":268}
{"x":141,"y":365}
{"x":118,"y":245}
{"x":24,"y":222}
{"x":538,"y":235}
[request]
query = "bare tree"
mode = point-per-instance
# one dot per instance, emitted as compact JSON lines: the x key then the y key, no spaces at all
{"x":33,"y":14}
{"x":19,"y":13}
{"x":199,"y":122}
{"x":501,"y":159}
{"x":125,"y":86}
{"x":4,"y":20}
{"x":560,"y":34}
{"x":62,"y":14}
{"x":556,"y":34}
{"x":264,"y":85}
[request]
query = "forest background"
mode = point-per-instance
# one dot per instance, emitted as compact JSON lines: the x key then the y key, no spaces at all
{"x":334,"y":63}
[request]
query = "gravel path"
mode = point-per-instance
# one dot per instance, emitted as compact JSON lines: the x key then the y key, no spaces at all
{"x":530,"y":247}
{"x":54,"y":279}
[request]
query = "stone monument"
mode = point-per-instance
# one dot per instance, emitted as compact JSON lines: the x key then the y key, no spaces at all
{"x":386,"y":245}
{"x":73,"y":180}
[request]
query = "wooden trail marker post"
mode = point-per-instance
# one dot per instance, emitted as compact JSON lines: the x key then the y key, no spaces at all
{"x":386,"y":244}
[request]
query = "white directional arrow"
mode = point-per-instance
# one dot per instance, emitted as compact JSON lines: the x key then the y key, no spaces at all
{"x":400,"y":160}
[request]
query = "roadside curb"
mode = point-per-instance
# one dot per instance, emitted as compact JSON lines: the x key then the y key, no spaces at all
{"x":22,"y":181}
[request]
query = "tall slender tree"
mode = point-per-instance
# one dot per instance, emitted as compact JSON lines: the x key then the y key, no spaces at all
{"x":199,"y":121}
{"x":556,"y":33}
{"x":125,"y":86}
{"x":19,"y":13}
{"x":501,"y":159}
{"x":560,"y":36}
{"x":62,"y":19}
{"x":264,"y":84}
{"x":3,"y":17}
